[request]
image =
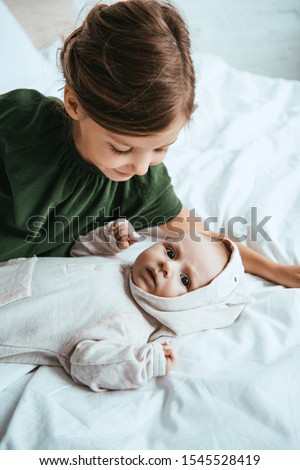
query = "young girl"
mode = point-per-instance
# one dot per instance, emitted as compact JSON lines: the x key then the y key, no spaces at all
{"x":66,"y":169}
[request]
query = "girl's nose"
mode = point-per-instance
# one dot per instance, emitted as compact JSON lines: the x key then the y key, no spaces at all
{"x":140,"y":164}
{"x":141,"y":167}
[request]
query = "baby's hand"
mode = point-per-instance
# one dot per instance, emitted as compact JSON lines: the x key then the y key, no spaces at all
{"x":124,"y":233}
{"x":170,"y":353}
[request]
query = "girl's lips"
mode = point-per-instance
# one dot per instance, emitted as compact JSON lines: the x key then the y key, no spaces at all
{"x":123,"y":175}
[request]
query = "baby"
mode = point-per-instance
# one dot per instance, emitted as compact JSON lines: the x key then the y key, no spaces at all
{"x":100,"y":317}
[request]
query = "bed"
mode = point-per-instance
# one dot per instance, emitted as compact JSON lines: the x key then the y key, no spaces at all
{"x":238,"y":161}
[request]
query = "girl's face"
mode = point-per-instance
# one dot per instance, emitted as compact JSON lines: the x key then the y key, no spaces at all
{"x":121,"y":157}
{"x":118,"y":157}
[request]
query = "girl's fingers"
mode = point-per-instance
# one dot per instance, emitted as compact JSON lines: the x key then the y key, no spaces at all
{"x":123,"y":244}
{"x":123,"y":228}
{"x":122,"y":231}
{"x":133,"y":235}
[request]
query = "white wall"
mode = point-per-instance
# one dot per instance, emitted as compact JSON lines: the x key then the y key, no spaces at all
{"x":44,"y":20}
{"x":261,"y":36}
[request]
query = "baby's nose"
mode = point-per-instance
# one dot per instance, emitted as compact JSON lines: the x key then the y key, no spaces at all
{"x":167,"y":268}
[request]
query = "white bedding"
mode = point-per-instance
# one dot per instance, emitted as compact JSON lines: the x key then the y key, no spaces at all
{"x":235,"y":388}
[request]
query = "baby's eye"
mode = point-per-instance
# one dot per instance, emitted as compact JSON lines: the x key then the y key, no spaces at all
{"x":170,"y":253}
{"x":185,"y":280}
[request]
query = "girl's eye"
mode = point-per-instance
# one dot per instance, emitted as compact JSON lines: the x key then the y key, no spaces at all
{"x":161,"y":150}
{"x":170,"y":253}
{"x":124,"y":152}
{"x":119,"y":152}
{"x":185,"y":281}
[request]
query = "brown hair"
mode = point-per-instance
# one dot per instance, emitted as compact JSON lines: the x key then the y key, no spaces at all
{"x":130,"y":67}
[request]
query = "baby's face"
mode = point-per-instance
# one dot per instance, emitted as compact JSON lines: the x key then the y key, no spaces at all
{"x":172,"y":268}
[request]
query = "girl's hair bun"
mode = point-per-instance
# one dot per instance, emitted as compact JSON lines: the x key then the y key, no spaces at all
{"x":130,"y":66}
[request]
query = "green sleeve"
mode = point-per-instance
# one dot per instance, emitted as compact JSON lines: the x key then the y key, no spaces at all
{"x":27,"y":171}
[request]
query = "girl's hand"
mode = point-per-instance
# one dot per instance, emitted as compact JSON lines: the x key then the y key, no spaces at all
{"x":171,"y":355}
{"x":288,"y":276}
{"x":257,"y":264}
{"x":124,"y":233}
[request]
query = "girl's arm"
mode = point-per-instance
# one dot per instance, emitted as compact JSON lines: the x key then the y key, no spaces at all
{"x":254,"y":263}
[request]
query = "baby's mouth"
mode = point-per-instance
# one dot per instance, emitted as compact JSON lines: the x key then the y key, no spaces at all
{"x":151,"y":275}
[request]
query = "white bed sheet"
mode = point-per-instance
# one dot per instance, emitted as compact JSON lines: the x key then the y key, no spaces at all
{"x":235,"y":388}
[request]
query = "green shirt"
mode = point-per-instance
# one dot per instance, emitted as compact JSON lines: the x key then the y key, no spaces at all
{"x":49,"y":194}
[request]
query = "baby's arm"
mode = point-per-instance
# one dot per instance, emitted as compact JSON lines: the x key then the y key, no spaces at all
{"x":108,"y":240}
{"x":111,"y":365}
